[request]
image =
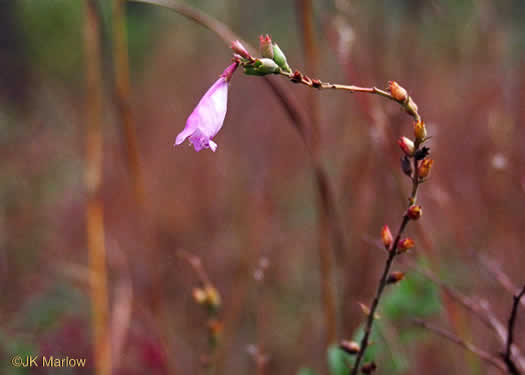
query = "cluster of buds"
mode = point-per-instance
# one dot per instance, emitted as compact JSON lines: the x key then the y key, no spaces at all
{"x":414,"y":212}
{"x":207,"y":296}
{"x":272,"y":60}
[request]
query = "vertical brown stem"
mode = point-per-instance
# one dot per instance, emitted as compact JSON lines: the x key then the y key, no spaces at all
{"x":93,"y":180}
{"x":121,"y":93}
{"x":325,"y":249}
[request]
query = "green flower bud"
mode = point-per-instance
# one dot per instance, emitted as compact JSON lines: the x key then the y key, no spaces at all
{"x":280,"y":58}
{"x":261,"y":67}
{"x":265,"y":43}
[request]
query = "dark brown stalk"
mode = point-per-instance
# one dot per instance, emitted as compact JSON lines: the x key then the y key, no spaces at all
{"x":121,"y":97}
{"x":494,"y":361}
{"x":388,"y":265}
{"x":93,"y":180}
{"x":507,"y":356}
{"x":298,"y":77}
{"x":326,"y":255}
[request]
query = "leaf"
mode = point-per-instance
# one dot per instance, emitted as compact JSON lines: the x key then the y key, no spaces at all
{"x":413,"y":297}
{"x":338,"y":361}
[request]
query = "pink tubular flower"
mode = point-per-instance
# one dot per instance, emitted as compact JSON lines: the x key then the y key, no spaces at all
{"x":208,"y":116}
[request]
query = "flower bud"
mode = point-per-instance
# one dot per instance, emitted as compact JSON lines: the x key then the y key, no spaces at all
{"x":405,"y":244}
{"x":411,"y":107}
{"x":351,"y":347}
{"x":406,"y":145}
{"x":280,"y":58}
{"x":366,"y":310}
{"x":386,"y":235}
{"x":395,"y":277}
{"x":424,"y":168}
{"x":368,"y":368}
{"x":397,"y":92}
{"x":420,"y":131}
{"x":414,"y":212}
{"x":239,"y":49}
{"x":199,"y":295}
{"x":261,"y":67}
{"x":213,"y":298}
{"x":266,"y":47}
{"x":215,"y":327}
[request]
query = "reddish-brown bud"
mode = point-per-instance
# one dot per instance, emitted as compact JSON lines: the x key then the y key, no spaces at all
{"x":213,"y":298}
{"x":386,"y":236}
{"x":351,"y":347}
{"x":215,"y":327}
{"x":239,"y":49}
{"x":406,"y":145}
{"x":368,"y":368}
{"x":397,"y":92}
{"x":414,"y":212}
{"x":424,"y":168}
{"x":405,"y":244}
{"x":297,"y":76}
{"x":395,"y":277}
{"x":411,"y":107}
{"x":420,"y":131}
{"x":266,"y":47}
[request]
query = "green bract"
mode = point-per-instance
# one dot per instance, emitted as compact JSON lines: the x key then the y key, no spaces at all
{"x":280,"y":58}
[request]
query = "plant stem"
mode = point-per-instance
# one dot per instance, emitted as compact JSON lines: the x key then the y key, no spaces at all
{"x":122,"y":98}
{"x":386,"y":271}
{"x":464,"y":344}
{"x":93,"y":181}
{"x":507,"y":357}
{"x":298,"y":77}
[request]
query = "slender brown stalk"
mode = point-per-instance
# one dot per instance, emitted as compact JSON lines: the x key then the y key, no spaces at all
{"x":479,"y":309}
{"x":492,"y":360}
{"x":121,"y":97}
{"x":93,"y":180}
{"x":507,"y":356}
{"x":495,"y":271}
{"x":326,"y":255}
{"x":388,"y":265}
{"x":298,"y":77}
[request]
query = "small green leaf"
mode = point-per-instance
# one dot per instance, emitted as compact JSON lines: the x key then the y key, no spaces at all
{"x":338,"y":361}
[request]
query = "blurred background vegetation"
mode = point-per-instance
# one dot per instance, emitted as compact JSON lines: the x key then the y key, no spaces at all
{"x":461,"y":60}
